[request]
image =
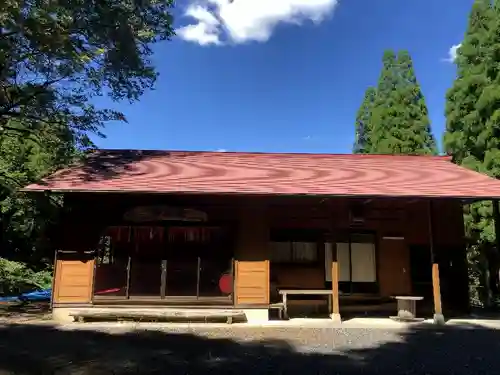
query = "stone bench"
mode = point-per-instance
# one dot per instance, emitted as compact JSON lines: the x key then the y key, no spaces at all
{"x":407,"y":308}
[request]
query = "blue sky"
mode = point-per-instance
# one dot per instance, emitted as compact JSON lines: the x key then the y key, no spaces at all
{"x":284,"y":75}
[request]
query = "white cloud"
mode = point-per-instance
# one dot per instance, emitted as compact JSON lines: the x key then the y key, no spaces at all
{"x":205,"y":31}
{"x":452,"y":53}
{"x":240,"y":21}
{"x":221,"y":150}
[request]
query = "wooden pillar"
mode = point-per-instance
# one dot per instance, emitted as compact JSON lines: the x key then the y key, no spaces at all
{"x":436,"y":286}
{"x":335,"y":285}
{"x":335,"y":270}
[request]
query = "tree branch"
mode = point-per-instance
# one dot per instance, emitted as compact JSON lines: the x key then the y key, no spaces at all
{"x":4,"y":128}
{"x":9,"y":34}
{"x":24,"y":100}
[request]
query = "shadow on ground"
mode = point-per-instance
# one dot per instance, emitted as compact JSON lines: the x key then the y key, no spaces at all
{"x":45,"y":349}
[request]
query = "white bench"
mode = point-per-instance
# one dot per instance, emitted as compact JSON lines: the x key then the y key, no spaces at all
{"x":278,"y":306}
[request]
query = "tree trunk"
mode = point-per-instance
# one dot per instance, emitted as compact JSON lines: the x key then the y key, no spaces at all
{"x":494,"y":259}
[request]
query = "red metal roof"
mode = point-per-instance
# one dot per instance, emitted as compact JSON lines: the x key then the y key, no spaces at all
{"x":268,"y":173}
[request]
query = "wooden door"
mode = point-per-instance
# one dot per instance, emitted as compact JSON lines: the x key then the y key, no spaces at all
{"x":73,"y":279}
{"x":394,"y":268}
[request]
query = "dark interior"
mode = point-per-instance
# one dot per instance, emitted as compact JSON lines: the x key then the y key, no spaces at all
{"x":172,"y":263}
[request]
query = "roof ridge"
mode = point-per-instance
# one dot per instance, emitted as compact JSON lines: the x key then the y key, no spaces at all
{"x":212,"y":172}
{"x":262,"y":153}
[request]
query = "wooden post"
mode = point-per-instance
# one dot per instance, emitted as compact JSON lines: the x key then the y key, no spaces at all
{"x":54,"y":280}
{"x":335,"y":286}
{"x":436,"y":289}
{"x":436,"y":286}
{"x":335,"y":313}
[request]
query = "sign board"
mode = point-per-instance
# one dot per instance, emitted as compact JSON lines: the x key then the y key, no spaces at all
{"x":164,"y":213}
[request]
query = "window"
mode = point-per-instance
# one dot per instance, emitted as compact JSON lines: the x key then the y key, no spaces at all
{"x":343,"y":261}
{"x":363,"y":268}
{"x":294,"y":245}
{"x":356,"y":260}
{"x":294,"y":252}
{"x":105,"y":253}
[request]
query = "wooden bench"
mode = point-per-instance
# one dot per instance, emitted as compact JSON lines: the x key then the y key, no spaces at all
{"x":168,"y":314}
{"x":407,"y":308}
{"x":304,"y":292}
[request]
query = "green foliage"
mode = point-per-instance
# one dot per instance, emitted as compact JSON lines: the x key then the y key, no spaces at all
{"x":16,"y":277}
{"x":472,"y":105}
{"x":393,"y":118}
{"x":56,"y":55}
{"x":472,"y":135}
{"x":399,"y":120}
{"x":362,"y":143}
{"x":22,"y":220}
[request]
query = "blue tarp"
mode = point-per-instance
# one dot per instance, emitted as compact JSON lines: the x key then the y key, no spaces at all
{"x":39,"y":295}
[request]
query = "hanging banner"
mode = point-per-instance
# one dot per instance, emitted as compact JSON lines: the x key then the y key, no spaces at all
{"x":164,"y":213}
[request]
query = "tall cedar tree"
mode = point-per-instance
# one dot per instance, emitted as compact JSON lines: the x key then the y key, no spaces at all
{"x":472,"y":135}
{"x":362,"y":144}
{"x":400,"y":122}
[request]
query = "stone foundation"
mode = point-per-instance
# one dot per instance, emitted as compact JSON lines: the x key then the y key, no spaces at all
{"x":61,"y":314}
{"x":256,"y":315}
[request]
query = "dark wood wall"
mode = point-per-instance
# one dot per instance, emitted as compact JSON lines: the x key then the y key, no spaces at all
{"x":386,"y":218}
{"x":89,"y":214}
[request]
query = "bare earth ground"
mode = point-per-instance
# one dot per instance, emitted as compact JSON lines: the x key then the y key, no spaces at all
{"x":20,"y":312}
{"x":39,"y":347}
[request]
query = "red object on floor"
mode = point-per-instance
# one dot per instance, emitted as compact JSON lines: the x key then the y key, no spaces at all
{"x":226,"y":283}
{"x":114,"y":290}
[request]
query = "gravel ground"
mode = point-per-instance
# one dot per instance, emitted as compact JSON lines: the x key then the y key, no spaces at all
{"x":43,"y":348}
